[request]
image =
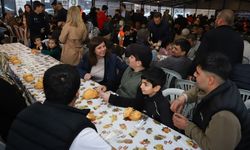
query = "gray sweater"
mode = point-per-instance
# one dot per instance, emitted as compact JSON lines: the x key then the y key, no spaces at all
{"x":178,"y":64}
{"x":129,"y":83}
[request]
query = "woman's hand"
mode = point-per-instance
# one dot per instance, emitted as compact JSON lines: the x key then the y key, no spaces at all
{"x":87,"y":76}
{"x":101,"y":88}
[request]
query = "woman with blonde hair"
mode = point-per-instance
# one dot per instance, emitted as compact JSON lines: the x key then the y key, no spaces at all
{"x":73,"y":34}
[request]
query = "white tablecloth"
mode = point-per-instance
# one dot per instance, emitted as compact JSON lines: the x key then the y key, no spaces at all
{"x":120,"y":133}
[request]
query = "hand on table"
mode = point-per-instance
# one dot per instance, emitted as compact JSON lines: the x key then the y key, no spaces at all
{"x":101,"y":88}
{"x":180,"y":121}
{"x":105,"y":96}
{"x":35,"y":51}
{"x":87,"y":76}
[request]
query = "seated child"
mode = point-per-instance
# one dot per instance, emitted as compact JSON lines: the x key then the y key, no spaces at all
{"x":149,"y":98}
{"x":38,"y":44}
{"x":54,"y":49}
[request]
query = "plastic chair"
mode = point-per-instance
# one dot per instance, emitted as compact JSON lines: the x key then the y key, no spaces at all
{"x":247,"y":103}
{"x":245,"y":95}
{"x":173,"y":93}
{"x":2,"y":146}
{"x":45,"y":41}
{"x":245,"y":60}
{"x":184,"y":84}
{"x":171,"y":76}
{"x":17,"y":33}
{"x":12,"y":34}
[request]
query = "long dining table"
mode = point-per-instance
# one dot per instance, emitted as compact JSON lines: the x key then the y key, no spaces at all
{"x":109,"y":120}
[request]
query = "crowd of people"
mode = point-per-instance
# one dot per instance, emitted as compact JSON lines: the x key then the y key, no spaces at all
{"x":123,"y":55}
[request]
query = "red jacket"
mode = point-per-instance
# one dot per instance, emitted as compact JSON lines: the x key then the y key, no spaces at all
{"x":101,"y":18}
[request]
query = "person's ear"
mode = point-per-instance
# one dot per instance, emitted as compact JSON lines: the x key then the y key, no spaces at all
{"x":157,"y":88}
{"x":211,"y":80}
{"x":183,"y":53}
{"x":138,"y":63}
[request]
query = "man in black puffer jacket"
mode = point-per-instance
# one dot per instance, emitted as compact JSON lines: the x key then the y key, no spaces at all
{"x":55,"y":124}
{"x":220,"y":120}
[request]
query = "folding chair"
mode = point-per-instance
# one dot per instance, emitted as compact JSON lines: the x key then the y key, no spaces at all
{"x":171,"y":76}
{"x":245,"y":95}
{"x":245,"y":60}
{"x":17,"y":33}
{"x":2,"y":146}
{"x":184,"y":84}
{"x":173,"y":93}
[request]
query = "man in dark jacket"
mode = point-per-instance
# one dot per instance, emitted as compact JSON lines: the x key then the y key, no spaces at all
{"x":38,"y":24}
{"x":159,"y":30}
{"x":222,"y":39}
{"x":220,"y":120}
{"x":55,"y":124}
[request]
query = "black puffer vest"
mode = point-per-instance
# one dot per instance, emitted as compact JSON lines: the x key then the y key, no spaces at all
{"x":225,"y":97}
{"x":47,"y":127}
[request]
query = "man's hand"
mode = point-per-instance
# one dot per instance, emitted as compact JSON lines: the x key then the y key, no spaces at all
{"x":87,"y":76}
{"x":178,"y":104}
{"x":180,"y":121}
{"x":105,"y":96}
{"x":101,"y":88}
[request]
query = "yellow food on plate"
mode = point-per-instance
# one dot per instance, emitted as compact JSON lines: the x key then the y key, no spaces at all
{"x":90,"y":94}
{"x":91,"y":116}
{"x":14,"y":60}
{"x":127,"y":112}
{"x":39,"y":84}
{"x":28,"y":77}
{"x":132,"y":114}
{"x":135,"y":115}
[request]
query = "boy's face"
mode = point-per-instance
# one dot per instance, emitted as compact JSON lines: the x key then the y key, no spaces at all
{"x":38,"y":42}
{"x":148,"y":89}
{"x":51,"y":44}
{"x":177,"y":52}
{"x":132,"y":62}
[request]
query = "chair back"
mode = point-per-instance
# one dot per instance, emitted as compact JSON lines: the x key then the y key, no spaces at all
{"x":17,"y":33}
{"x":173,"y":93}
{"x":245,"y":60}
{"x":2,"y":146}
{"x":45,"y":41}
{"x":12,"y":34}
{"x":171,"y":76}
{"x":184,"y":84}
{"x":245,"y":95}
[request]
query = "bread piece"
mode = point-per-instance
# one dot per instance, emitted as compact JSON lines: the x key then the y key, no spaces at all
{"x":90,"y":94}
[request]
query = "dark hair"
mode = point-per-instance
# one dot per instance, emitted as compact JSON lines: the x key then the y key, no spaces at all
{"x":36,"y":4}
{"x":61,"y":83}
{"x":126,"y":28}
{"x":94,"y":42}
{"x":184,"y":44}
{"x":105,"y":7}
{"x":216,"y":63}
{"x":154,"y":75}
{"x":36,"y":37}
{"x":55,"y":40}
{"x":28,"y":6}
{"x":157,"y":15}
